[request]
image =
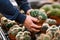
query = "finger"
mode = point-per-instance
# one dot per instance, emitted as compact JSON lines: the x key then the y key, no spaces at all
{"x":35,"y":19}
{"x":35,"y":26}
{"x":34,"y":30}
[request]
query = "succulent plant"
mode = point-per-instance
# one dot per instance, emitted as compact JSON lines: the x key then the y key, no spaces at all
{"x":40,"y":37}
{"x":14,"y":30}
{"x":57,"y":33}
{"x":43,"y":37}
{"x":38,"y":14}
{"x":50,"y":21}
{"x":10,"y":24}
{"x":55,"y":39}
{"x":27,"y":33}
{"x":50,"y":34}
{"x":44,"y":28}
{"x":20,"y":36}
{"x":23,"y":35}
{"x":47,"y":8}
{"x":56,"y":5}
{"x":4,"y":20}
{"x":54,"y":12}
{"x":52,"y":30}
{"x":46,"y":37}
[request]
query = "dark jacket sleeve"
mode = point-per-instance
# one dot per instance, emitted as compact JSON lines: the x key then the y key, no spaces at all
{"x":12,"y":13}
{"x":23,"y":5}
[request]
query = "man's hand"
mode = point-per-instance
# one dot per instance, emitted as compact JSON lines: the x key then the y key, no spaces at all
{"x":30,"y":25}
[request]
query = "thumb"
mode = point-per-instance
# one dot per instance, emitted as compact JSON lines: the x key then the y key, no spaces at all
{"x":35,"y":19}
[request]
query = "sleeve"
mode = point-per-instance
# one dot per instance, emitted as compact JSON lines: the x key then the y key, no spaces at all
{"x":12,"y":13}
{"x":23,"y":5}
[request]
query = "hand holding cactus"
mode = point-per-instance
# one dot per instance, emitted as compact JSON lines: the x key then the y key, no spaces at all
{"x":30,"y":25}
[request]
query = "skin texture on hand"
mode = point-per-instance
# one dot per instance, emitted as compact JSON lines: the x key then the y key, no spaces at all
{"x":30,"y":25}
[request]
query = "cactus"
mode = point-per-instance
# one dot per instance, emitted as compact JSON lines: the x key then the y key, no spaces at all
{"x":57,"y":33}
{"x":46,"y":37}
{"x":38,"y":14}
{"x":50,"y":21}
{"x":34,"y":13}
{"x":10,"y":24}
{"x":53,"y":29}
{"x":20,"y":36}
{"x":40,"y":37}
{"x":26,"y":35}
{"x":54,"y":12}
{"x":55,"y":39}
{"x":42,"y":10}
{"x":14,"y":30}
{"x":56,"y":5}
{"x":4,"y":20}
{"x":23,"y":35}
{"x":50,"y":34}
{"x":45,"y":26}
{"x":58,"y":37}
{"x":47,"y":8}
{"x":43,"y":37}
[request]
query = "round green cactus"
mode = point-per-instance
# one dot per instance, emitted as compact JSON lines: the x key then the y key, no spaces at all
{"x":19,"y":36}
{"x":10,"y":24}
{"x":50,"y":21}
{"x":34,"y":13}
{"x":27,"y":33}
{"x":47,"y":8}
{"x":43,"y":15}
{"x":54,"y":12}
{"x":56,"y":5}
{"x":44,"y":27}
{"x":38,"y":14}
{"x":27,"y":37}
{"x":53,"y":29}
{"x":14,"y":30}
{"x":23,"y":35}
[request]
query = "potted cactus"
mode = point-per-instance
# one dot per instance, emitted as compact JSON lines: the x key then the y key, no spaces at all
{"x":40,"y":15}
{"x":54,"y":14}
{"x":23,"y":35}
{"x":14,"y":30}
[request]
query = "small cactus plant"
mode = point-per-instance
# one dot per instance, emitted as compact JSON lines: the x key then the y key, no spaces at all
{"x":47,"y":8}
{"x":10,"y":24}
{"x":38,"y":14}
{"x":43,"y":37}
{"x":56,"y":5}
{"x":23,"y":36}
{"x":50,"y":21}
{"x":14,"y":30}
{"x":4,"y":20}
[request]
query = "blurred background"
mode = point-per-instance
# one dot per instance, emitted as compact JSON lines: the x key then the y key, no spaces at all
{"x":37,"y":3}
